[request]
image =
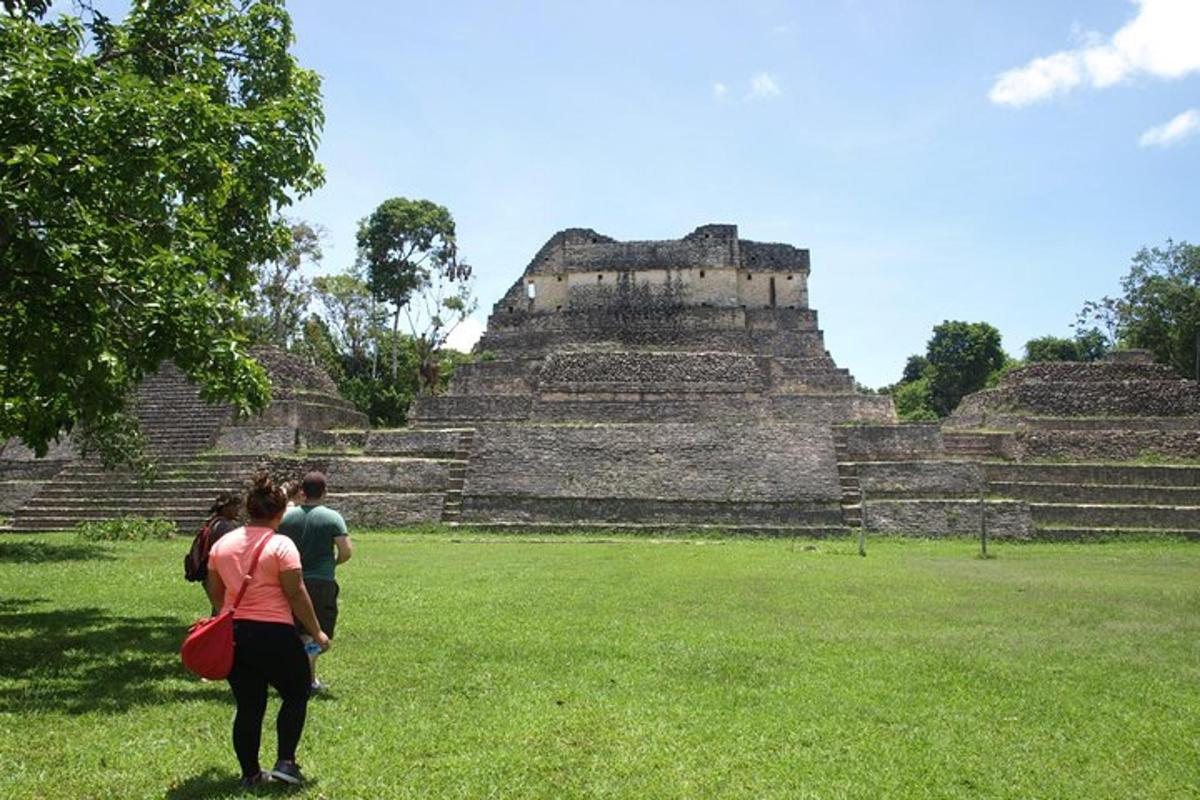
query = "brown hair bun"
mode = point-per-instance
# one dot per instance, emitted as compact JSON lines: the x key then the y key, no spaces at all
{"x":264,"y":500}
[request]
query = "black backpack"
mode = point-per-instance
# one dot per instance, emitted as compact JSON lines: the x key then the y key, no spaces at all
{"x":195,"y":563}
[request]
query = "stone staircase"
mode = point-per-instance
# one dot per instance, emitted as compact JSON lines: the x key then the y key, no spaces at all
{"x":852,"y":510}
{"x":452,"y":505}
{"x":1073,"y":501}
{"x":174,"y":420}
{"x":183,"y":490}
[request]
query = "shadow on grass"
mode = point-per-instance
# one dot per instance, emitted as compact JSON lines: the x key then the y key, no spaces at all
{"x":47,"y":552}
{"x":79,"y":660}
{"x":214,"y":783}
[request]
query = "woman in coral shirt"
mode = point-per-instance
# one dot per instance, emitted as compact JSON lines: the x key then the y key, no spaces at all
{"x":267,"y":647}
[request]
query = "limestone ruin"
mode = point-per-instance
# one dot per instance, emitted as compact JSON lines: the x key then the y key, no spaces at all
{"x":678,"y":384}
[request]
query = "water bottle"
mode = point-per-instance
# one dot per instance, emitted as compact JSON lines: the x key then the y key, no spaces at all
{"x":312,"y":648}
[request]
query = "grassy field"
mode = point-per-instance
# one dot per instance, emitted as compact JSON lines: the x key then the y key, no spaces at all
{"x":509,"y":667}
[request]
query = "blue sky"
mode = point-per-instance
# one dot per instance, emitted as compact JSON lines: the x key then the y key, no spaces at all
{"x":941,"y":160}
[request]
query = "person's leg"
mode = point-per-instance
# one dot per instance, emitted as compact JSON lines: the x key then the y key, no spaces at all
{"x":324,"y":595}
{"x":289,"y":674}
{"x":249,"y":685}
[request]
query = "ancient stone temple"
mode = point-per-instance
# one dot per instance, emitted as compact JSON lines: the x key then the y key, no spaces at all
{"x":681,"y":381}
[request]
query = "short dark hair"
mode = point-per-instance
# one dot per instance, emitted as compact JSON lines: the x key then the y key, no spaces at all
{"x":224,"y":500}
{"x":265,"y":499}
{"x":314,"y":484}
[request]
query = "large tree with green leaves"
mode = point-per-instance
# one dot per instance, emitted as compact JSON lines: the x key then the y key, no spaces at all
{"x":961,"y":355}
{"x":143,"y":165}
{"x":404,"y":247}
{"x":1159,"y":307}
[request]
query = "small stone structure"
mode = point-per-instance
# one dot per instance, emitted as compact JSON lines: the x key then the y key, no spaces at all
{"x":1056,"y":450}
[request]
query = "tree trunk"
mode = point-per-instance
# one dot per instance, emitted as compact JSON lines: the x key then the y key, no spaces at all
{"x":395,"y":346}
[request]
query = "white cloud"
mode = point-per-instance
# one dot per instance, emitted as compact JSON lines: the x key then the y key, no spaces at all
{"x":1181,"y":127}
{"x":763,"y":86}
{"x":1161,"y":41}
{"x":465,"y":335}
{"x":720,"y":91}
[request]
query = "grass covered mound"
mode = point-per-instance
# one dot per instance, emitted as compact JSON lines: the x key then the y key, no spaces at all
{"x":640,"y":668}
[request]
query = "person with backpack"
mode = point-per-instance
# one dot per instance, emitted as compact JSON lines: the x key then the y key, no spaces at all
{"x":222,"y":518}
{"x":267,"y":648}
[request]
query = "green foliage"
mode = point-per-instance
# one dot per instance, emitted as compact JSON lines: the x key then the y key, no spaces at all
{"x":1051,"y":348}
{"x":914,"y":369}
{"x":282,"y":295}
{"x":913,"y":401}
{"x":1091,"y":344}
{"x":1087,"y":345}
{"x":961,"y":357}
{"x":350,"y":313}
{"x":400,"y":245}
{"x":125,"y":529}
{"x":143,"y":165}
{"x":1159,"y":308}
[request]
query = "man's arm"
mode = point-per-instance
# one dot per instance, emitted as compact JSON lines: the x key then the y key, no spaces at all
{"x":344,"y":548}
{"x":302,"y":608}
{"x":215,"y":588}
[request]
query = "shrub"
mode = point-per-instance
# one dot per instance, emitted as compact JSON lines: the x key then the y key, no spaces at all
{"x":125,"y":529}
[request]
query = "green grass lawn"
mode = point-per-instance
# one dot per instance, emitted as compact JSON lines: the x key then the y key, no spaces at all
{"x":641,"y":668}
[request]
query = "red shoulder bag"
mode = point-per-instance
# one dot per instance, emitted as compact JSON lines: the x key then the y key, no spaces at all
{"x":208,"y":648}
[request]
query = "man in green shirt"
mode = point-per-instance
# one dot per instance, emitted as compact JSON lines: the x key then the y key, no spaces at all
{"x":320,"y":534}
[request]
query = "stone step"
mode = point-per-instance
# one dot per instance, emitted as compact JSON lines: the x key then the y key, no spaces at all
{"x":1096,"y":533}
{"x":186,"y":525}
{"x":680,"y":529}
{"x":1079,"y":515}
{"x":192,"y":492}
{"x":1097,"y":493}
{"x":1106,"y":474}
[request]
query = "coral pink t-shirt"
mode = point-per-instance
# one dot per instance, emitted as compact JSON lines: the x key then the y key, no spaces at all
{"x":231,"y":557}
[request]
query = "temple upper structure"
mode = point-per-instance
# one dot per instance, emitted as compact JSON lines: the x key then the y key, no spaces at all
{"x":709,"y":326}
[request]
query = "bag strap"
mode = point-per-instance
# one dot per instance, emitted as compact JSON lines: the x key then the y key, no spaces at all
{"x":253,"y":565}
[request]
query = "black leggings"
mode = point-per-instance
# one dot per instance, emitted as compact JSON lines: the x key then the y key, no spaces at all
{"x":267,"y":653}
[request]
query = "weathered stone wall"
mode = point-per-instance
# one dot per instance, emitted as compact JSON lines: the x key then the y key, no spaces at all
{"x":643,"y":407}
{"x":1006,"y":519}
{"x":701,"y":473}
{"x":291,"y":374}
{"x":1066,"y":389}
{"x":413,"y":442}
{"x":1102,"y":474}
{"x":692,"y":462}
{"x":710,"y":372}
{"x":920,"y":479}
{"x":891,"y":442}
{"x":1107,"y":445}
{"x":372,"y":491}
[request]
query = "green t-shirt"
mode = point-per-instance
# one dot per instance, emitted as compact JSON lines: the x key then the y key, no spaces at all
{"x":313,"y":529}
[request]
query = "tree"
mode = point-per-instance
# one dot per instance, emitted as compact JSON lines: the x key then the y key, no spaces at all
{"x":349,"y":312}
{"x":143,"y":165}
{"x":445,"y":303}
{"x":1087,"y":345}
{"x":400,"y":245}
{"x":1092,"y":344}
{"x":915,"y":369}
{"x":961,"y":357}
{"x":282,"y":294}
{"x":913,"y":401}
{"x":1159,"y":308}
{"x":1051,"y":348}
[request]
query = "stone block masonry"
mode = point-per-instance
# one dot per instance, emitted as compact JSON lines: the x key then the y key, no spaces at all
{"x":728,"y":474}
